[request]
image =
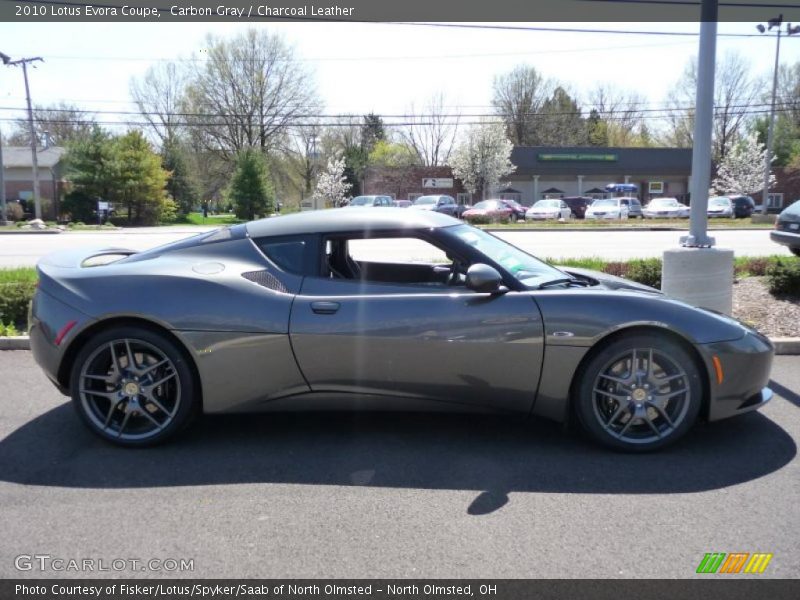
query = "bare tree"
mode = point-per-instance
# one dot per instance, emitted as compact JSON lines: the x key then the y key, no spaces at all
{"x":431,"y":134}
{"x":63,"y":123}
{"x":621,"y":113}
{"x":249,"y":92}
{"x":519,"y":96}
{"x":160,"y":96}
{"x":735,"y":93}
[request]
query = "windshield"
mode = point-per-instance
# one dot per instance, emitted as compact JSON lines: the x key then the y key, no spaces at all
{"x":720,"y":201}
{"x":547,"y":204}
{"x":664,"y":202}
{"x":604,"y":202}
{"x":426,"y":200}
{"x":486,"y":204}
{"x":529,"y":270}
{"x":361,"y":201}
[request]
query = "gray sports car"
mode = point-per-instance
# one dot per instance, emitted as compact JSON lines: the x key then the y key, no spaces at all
{"x":391,"y":309}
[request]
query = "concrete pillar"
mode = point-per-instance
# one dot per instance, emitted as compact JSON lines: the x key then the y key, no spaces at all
{"x":627,"y":178}
{"x":535,"y":188}
{"x":580,"y":185}
{"x":700,"y":277}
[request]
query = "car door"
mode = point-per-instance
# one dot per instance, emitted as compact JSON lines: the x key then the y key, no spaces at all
{"x":565,"y":210}
{"x":433,"y":343}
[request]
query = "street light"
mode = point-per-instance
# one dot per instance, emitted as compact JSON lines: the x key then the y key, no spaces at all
{"x":37,"y":203}
{"x":776,"y":23}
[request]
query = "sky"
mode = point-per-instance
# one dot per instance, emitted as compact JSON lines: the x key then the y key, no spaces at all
{"x":368,"y":67}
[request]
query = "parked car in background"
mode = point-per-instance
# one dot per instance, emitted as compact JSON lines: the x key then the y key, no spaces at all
{"x":403,"y":203}
{"x":614,"y":208}
{"x":743,"y":206}
{"x":549,"y":209}
{"x":720,"y":206}
{"x":665,"y":208}
{"x":442,"y":204}
{"x":578,"y":205}
{"x":787,"y":228}
{"x":366,"y":201}
{"x":492,"y":210}
{"x":518,"y":213}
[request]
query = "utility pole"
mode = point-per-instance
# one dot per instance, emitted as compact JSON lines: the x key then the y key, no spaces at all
{"x":3,"y":213}
{"x":37,"y":201}
{"x":776,"y":22}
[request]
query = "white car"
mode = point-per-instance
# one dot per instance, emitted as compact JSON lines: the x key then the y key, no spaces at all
{"x":607,"y":208}
{"x":665,"y":208}
{"x":549,"y":209}
{"x":720,"y":206}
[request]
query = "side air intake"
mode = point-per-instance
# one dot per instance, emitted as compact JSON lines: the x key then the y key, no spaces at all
{"x":265,"y":279}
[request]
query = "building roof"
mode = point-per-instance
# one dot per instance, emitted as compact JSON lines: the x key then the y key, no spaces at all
{"x":553,"y":160}
{"x":341,"y":220}
{"x":19,"y":157}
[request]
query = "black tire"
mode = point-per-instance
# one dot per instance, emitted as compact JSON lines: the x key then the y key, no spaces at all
{"x":165,"y":387}
{"x":795,"y":250}
{"x":672,"y":412}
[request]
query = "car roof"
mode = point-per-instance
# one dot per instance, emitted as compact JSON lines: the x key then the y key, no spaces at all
{"x":336,"y":220}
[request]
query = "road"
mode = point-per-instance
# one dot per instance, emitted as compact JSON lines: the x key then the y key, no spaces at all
{"x":395,"y":496}
{"x":25,"y":250}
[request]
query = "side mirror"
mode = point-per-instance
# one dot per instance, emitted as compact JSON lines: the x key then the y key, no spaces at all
{"x":485,"y":279}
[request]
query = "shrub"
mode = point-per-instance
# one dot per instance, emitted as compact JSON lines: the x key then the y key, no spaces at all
{"x":646,"y":271}
{"x":620,"y":269}
{"x":14,"y":211}
{"x":478,"y":220}
{"x":79,"y":206}
{"x":14,"y":300}
{"x":783,"y":277}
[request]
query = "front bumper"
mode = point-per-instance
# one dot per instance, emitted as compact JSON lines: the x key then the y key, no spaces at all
{"x":740,"y":385}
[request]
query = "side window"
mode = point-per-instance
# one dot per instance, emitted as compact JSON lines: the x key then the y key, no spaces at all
{"x":289,"y":255}
{"x":625,"y":203}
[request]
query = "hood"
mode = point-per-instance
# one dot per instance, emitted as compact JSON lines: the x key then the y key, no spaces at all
{"x":611,"y":282}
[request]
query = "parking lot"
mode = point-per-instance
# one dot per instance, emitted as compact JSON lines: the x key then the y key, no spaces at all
{"x":357,"y":495}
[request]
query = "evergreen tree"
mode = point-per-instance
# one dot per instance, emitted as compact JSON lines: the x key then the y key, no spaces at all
{"x":250,"y":189}
{"x":181,"y":185}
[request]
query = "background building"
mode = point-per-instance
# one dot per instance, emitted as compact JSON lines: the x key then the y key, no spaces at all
{"x":18,"y":170}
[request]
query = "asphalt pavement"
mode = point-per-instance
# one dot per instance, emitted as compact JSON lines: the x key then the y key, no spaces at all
{"x":26,"y":249}
{"x":357,"y":495}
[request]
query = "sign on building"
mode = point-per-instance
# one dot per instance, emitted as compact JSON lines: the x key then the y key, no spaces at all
{"x":578,"y":157}
{"x":656,"y":187}
{"x":437,"y":182}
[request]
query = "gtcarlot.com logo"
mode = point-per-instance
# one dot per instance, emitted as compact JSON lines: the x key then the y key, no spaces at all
{"x":734,"y":562}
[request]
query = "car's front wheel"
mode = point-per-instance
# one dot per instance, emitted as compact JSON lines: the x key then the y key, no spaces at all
{"x":133,"y":386}
{"x":795,"y":250}
{"x":638,"y":393}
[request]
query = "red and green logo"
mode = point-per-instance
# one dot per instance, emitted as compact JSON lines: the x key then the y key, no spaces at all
{"x":734,"y":562}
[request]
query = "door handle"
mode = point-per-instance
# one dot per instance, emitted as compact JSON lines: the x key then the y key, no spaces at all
{"x":325,"y":308}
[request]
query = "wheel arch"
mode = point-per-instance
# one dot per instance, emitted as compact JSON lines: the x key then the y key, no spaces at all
{"x":612,"y":336}
{"x":71,"y":353}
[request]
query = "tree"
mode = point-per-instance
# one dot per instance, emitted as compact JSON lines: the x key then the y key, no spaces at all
{"x":332,"y":186}
{"x":560,"y":122}
{"x":181,"y":184}
{"x":63,"y":122}
{"x":742,"y":169}
{"x":518,"y":97}
{"x":431,"y":135}
{"x":140,"y":181}
{"x":90,"y":164}
{"x":160,"y":96}
{"x":250,"y":189}
{"x":621,"y":115}
{"x":482,"y":158}
{"x":372,"y":132}
{"x":248,"y":93}
{"x":735,"y":91}
{"x":389,"y":154}
{"x":596,"y":129}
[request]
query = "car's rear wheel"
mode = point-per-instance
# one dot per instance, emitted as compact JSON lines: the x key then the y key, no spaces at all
{"x":638,"y":393}
{"x":133,"y":386}
{"x":795,"y":250}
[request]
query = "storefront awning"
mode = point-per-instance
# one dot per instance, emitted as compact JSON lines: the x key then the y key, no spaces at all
{"x":553,"y":191}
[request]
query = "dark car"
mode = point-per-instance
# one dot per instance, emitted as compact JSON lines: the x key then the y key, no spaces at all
{"x":394,"y":308}
{"x":578,"y":205}
{"x":517,"y":210}
{"x":787,"y":228}
{"x":441,"y":204}
{"x":743,"y":206}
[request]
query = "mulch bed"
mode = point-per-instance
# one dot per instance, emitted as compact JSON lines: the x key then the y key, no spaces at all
{"x":772,"y":315}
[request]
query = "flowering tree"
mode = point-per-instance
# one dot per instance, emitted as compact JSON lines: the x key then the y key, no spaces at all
{"x":482,"y":158}
{"x":742,"y":169}
{"x":332,"y":186}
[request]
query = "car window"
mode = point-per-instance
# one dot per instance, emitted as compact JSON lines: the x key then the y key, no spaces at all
{"x":793,"y":209}
{"x":287,"y":255}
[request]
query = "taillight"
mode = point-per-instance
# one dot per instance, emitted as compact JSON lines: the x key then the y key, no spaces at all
{"x":63,"y":332}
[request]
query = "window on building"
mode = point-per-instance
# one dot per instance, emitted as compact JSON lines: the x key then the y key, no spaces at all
{"x":413,"y":197}
{"x":464,"y":198}
{"x":515,"y":196}
{"x":775,"y":200}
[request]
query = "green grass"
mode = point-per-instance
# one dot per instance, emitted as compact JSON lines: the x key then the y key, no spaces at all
{"x":18,"y":275}
{"x":212,"y":220}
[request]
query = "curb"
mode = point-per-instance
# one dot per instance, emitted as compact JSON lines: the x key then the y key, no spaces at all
{"x":613,"y":229}
{"x":31,"y":231}
{"x":788,"y":346}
